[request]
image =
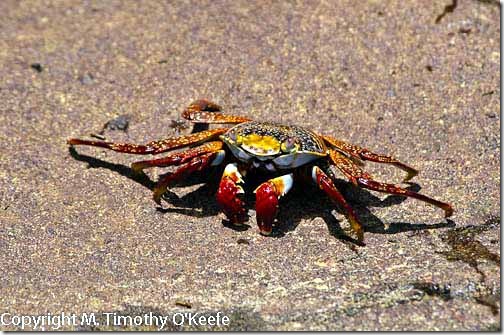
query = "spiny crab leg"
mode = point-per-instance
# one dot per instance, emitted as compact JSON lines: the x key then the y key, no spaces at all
{"x":198,"y":163}
{"x":327,"y":185}
{"x":204,"y":111}
{"x":351,"y":170}
{"x":227,"y":194}
{"x":357,"y":176}
{"x":365,"y":154}
{"x":154,"y":147}
{"x":178,"y":158}
{"x":394,"y":189}
{"x":267,"y":196}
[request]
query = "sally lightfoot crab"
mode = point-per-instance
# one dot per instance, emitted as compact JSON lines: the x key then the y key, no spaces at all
{"x":284,"y":154}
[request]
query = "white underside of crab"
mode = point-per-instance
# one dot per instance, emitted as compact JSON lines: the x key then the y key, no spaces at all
{"x":282,"y":162}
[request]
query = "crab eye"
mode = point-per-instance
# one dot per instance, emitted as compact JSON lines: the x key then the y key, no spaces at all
{"x":289,"y":145}
{"x":232,"y":135}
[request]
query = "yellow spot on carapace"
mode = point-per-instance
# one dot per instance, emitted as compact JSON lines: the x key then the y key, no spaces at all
{"x":260,"y":145}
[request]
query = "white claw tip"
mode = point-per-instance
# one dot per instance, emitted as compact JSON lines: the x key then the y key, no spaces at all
{"x":231,"y":171}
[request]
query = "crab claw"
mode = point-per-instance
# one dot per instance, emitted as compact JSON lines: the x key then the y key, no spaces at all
{"x":227,"y":195}
{"x":267,"y":195}
{"x":266,"y":207}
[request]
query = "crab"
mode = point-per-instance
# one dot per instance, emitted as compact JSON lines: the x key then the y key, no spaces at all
{"x":282,"y":154}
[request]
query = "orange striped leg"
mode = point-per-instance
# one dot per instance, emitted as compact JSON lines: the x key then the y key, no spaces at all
{"x":196,"y":164}
{"x":154,"y":147}
{"x":365,"y":154}
{"x":178,"y":158}
{"x":327,"y":185}
{"x":351,"y":170}
{"x":363,"y":179}
{"x":394,"y":189}
{"x":204,"y":111}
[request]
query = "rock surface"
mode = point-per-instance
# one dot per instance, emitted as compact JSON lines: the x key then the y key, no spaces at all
{"x":79,"y":233}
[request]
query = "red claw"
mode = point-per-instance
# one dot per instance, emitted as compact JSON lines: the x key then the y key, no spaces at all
{"x":227,"y":198}
{"x":266,"y":206}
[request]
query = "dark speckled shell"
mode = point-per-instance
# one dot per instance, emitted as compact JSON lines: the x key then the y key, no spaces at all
{"x":307,"y":140}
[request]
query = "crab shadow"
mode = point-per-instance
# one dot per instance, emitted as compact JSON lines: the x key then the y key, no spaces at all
{"x":318,"y":204}
{"x":304,"y":202}
{"x":198,"y":203}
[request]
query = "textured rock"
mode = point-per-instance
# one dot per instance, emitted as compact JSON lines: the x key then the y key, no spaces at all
{"x":80,"y":234}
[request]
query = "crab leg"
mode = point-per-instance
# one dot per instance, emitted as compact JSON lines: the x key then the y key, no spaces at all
{"x":365,"y":154}
{"x":178,"y":158}
{"x":394,"y":189}
{"x":197,"y":163}
{"x":363,"y":179}
{"x":327,"y":185}
{"x":351,"y":170}
{"x":204,"y":111}
{"x":154,"y":147}
{"x":267,"y":196}
{"x":227,"y":194}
